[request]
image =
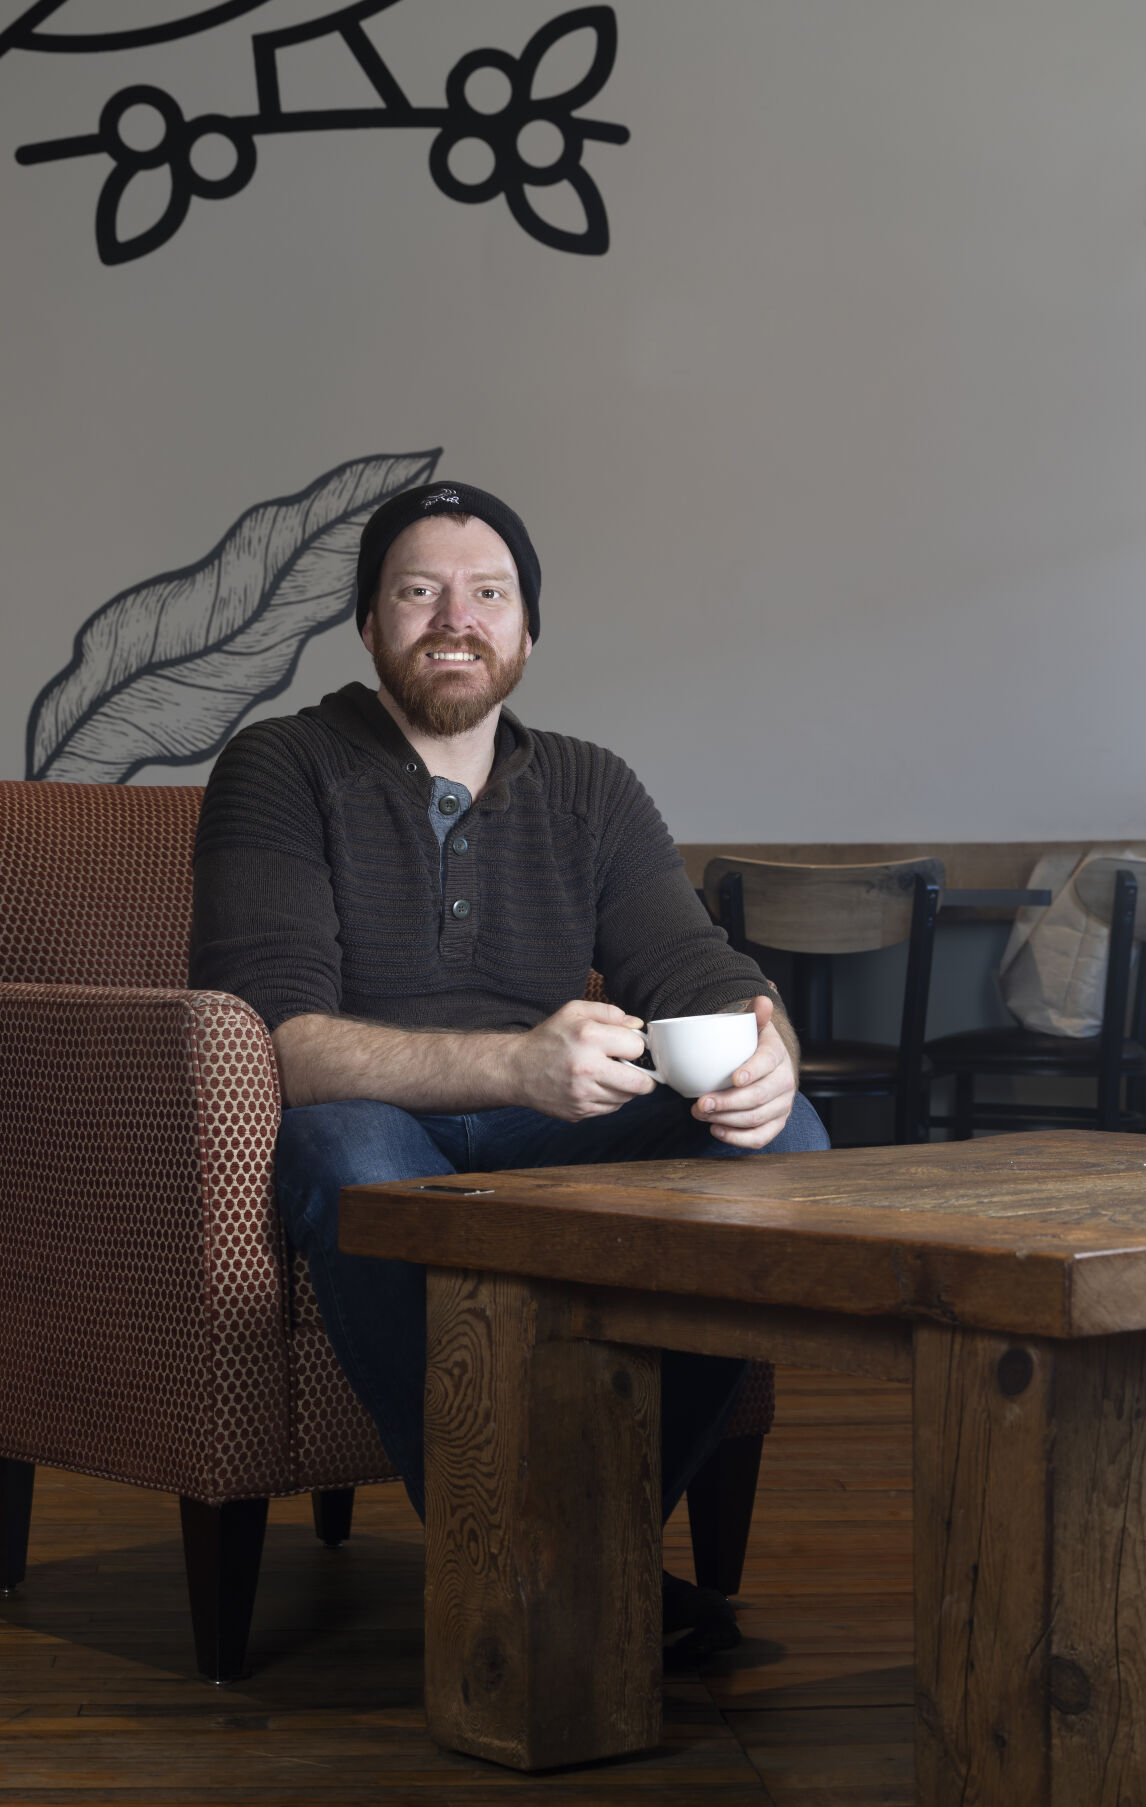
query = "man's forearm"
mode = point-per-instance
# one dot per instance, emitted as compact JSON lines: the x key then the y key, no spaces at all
{"x":322,"y":1058}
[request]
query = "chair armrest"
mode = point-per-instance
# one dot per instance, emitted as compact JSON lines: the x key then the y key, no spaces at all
{"x":143,"y":1330}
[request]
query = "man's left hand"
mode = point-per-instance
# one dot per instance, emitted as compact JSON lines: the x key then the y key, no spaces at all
{"x":763,"y":1091}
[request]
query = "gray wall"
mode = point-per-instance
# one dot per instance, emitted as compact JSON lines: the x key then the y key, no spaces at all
{"x":835,"y":461}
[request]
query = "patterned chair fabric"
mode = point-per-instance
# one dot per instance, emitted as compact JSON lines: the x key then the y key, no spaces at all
{"x":144,"y":1297}
{"x":152,"y":1327}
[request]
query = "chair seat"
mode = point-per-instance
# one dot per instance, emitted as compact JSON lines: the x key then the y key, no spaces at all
{"x":1027,"y":1051}
{"x":852,"y":1066}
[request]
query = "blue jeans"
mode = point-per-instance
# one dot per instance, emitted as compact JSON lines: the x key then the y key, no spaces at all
{"x":375,"y":1311}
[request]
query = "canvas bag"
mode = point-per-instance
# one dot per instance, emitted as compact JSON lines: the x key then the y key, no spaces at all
{"x":1053,"y":972}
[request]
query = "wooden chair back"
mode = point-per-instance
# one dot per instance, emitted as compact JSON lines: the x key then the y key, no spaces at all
{"x":822,"y":909}
{"x":815,"y":912}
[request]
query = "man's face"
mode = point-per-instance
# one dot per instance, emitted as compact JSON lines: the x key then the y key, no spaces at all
{"x":447,"y":629}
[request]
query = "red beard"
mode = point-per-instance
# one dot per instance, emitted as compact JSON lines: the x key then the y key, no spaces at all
{"x":430,"y":698}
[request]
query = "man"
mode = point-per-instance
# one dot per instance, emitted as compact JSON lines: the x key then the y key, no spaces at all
{"x":411,"y":887}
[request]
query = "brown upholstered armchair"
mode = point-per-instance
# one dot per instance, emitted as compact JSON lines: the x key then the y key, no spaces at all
{"x":154,"y":1328}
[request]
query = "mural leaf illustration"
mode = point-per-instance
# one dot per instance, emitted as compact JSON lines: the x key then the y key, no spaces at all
{"x":164,"y":672}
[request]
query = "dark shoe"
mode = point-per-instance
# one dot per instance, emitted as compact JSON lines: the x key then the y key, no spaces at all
{"x":702,"y":1614}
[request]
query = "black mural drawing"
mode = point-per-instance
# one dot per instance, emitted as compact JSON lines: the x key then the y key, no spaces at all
{"x":164,"y":673}
{"x":456,"y":123}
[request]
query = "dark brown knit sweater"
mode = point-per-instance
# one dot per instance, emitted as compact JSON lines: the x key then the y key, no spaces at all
{"x":320,"y":884}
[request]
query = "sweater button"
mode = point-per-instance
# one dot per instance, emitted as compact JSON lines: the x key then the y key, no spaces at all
{"x":460,"y":844}
{"x":461,"y":907}
{"x":448,"y":804}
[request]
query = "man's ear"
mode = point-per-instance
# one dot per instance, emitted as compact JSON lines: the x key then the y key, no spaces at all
{"x":367,"y":631}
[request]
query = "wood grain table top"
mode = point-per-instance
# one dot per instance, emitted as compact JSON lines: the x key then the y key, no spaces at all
{"x":1039,"y":1234}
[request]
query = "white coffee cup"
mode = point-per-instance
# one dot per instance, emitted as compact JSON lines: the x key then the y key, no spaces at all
{"x":696,"y":1054}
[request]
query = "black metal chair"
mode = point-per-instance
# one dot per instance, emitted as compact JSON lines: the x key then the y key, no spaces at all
{"x":810,"y":914}
{"x":1115,"y":891}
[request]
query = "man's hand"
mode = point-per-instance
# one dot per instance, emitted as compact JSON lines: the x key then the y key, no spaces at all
{"x":759,"y":1104}
{"x":570,"y":1067}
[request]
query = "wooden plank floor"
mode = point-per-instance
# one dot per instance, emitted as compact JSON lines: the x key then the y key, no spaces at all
{"x":99,"y":1700}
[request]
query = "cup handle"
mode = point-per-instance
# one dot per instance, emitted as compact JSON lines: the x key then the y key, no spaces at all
{"x":651,"y":1071}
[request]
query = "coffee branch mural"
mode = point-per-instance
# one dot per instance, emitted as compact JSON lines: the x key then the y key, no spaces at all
{"x":164,"y":673}
{"x":533,"y":143}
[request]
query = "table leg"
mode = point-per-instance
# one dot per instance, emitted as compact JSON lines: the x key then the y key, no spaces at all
{"x":1030,"y":1570}
{"x":543,"y":1610}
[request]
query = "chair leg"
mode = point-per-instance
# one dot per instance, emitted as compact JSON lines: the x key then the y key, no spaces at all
{"x":923,"y":1120}
{"x":964,"y":1107}
{"x":1109,"y":1105}
{"x":16,"y":1479}
{"x":720,"y":1500}
{"x":913,"y":1113}
{"x":222,"y":1548}
{"x":333,"y":1509}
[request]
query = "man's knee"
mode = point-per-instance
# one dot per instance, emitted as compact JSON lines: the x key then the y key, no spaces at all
{"x":803,"y":1133}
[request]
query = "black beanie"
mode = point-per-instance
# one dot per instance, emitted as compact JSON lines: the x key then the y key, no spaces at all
{"x":410,"y":505}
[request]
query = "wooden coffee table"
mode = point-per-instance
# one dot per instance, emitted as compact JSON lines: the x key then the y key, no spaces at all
{"x":1005,"y":1277}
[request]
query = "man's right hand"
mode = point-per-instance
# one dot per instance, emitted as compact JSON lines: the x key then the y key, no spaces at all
{"x":570,"y":1067}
